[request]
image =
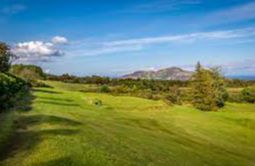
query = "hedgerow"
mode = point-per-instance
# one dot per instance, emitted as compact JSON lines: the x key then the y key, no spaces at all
{"x":11,"y":90}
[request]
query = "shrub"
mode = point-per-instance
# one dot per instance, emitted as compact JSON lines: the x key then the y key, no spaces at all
{"x":248,"y":95}
{"x":174,"y":97}
{"x":235,"y":98}
{"x":11,"y":89}
{"x":105,"y":89}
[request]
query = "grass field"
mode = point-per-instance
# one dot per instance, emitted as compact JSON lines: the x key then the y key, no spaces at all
{"x":66,"y":127}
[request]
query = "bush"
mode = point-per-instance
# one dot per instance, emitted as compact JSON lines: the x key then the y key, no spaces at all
{"x":248,"y":95}
{"x":11,"y":89}
{"x":105,"y":89}
{"x":174,"y":97}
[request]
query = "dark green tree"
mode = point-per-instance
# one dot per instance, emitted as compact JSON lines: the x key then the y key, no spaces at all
{"x":208,"y":89}
{"x":5,"y":57}
{"x":219,"y":87}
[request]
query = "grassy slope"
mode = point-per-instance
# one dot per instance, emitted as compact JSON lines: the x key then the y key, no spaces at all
{"x":66,"y":128}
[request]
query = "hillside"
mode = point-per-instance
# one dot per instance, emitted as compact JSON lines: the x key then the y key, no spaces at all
{"x":172,"y":73}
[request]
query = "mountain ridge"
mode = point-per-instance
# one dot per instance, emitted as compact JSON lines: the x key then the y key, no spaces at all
{"x":170,"y":73}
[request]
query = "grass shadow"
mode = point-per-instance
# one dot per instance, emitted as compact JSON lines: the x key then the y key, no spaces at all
{"x":25,"y":104}
{"x":56,"y":99}
{"x":45,"y":119}
{"x":58,"y":103}
{"x":24,"y":139}
{"x":46,"y":91}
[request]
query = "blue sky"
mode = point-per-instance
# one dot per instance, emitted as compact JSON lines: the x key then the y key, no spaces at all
{"x":114,"y":37}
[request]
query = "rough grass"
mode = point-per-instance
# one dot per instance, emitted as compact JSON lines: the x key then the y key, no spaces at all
{"x":65,"y":127}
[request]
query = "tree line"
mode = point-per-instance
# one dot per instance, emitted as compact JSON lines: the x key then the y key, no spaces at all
{"x":12,"y":88}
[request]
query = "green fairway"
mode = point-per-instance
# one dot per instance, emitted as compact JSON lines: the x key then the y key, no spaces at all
{"x":69,"y":127}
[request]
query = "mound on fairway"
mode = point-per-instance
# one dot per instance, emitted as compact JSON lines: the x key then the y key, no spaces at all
{"x":66,"y":127}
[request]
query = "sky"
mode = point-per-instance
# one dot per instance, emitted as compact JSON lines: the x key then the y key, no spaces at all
{"x":116,"y":37}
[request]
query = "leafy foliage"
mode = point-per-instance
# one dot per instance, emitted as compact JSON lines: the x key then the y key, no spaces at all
{"x":174,"y":96}
{"x":219,"y":87}
{"x":209,"y":91}
{"x":105,"y":89}
{"x":5,"y":57}
{"x":248,"y":95}
{"x":11,"y":89}
{"x":28,"y":72}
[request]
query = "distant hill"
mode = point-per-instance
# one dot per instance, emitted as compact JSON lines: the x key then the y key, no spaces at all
{"x":172,"y":73}
{"x":242,"y":77}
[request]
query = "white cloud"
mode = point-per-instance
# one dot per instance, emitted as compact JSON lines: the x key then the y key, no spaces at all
{"x":35,"y":51}
{"x":59,"y":40}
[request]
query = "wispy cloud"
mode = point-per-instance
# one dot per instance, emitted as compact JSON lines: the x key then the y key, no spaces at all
{"x":247,"y":65}
{"x":214,"y":35}
{"x":103,"y":50}
{"x":13,"y":9}
{"x":98,"y":47}
{"x":229,"y":68}
{"x":162,"y":6}
{"x":44,"y":50}
{"x":242,"y":12}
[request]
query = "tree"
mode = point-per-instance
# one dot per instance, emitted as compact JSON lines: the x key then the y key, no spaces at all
{"x":219,"y":87}
{"x":208,"y":89}
{"x":5,"y":57}
{"x":27,"y":72}
{"x":174,"y":96}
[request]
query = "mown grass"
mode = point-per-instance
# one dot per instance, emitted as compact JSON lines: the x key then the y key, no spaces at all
{"x":66,"y":127}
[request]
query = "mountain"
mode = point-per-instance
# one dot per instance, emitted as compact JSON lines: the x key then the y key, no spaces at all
{"x":172,"y":73}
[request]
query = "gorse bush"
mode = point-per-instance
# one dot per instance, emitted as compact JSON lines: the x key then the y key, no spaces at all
{"x":105,"y":89}
{"x":11,"y":89}
{"x":248,"y":95}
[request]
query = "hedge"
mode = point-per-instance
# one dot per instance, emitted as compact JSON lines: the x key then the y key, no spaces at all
{"x":11,"y":89}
